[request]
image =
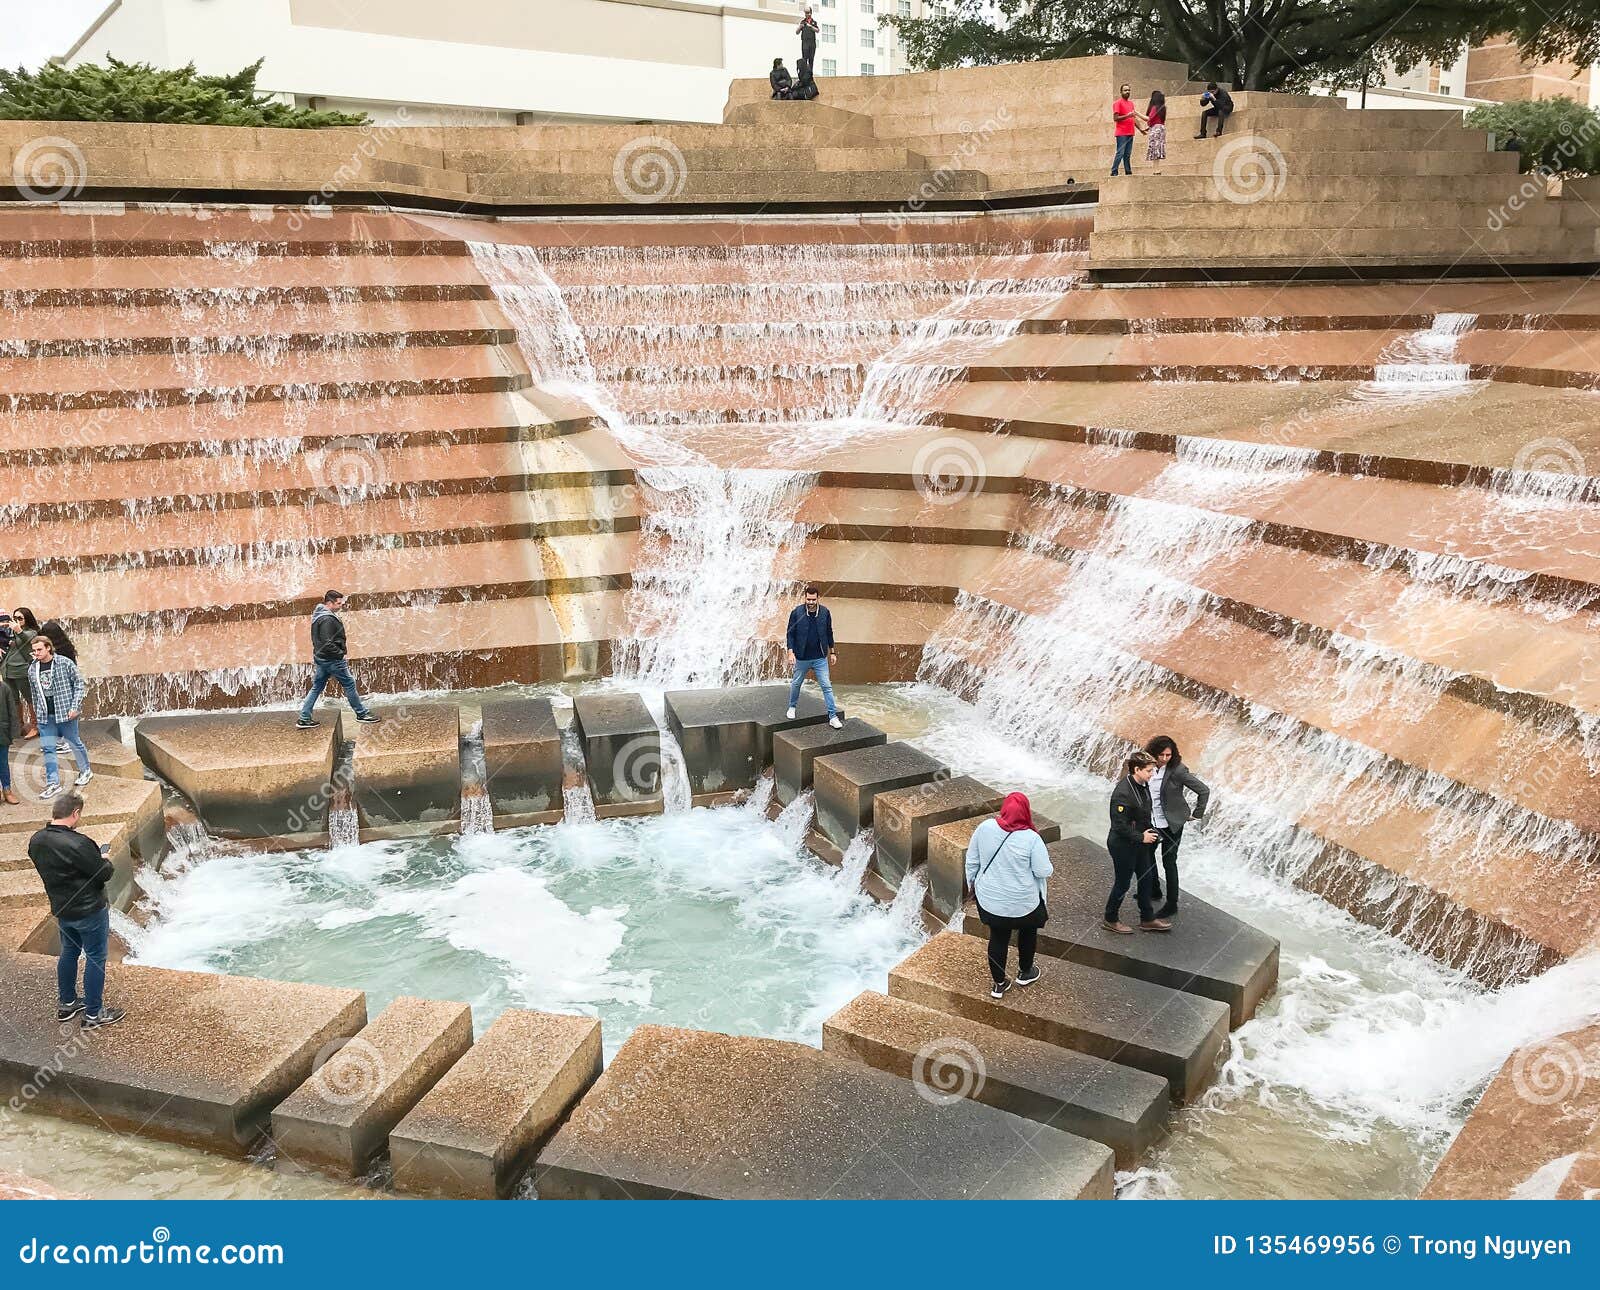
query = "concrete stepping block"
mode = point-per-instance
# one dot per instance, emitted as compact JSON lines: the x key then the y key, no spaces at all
{"x":407,"y":771}
{"x":727,"y":735}
{"x":248,"y":774}
{"x":621,"y":753}
{"x":102,"y":736}
{"x":902,"y":817}
{"x":475,"y":1134}
{"x":339,"y":1119}
{"x":522,"y":758}
{"x":947,"y":858}
{"x":109,"y":799}
{"x":950,"y":1056}
{"x":846,"y":784}
{"x":1120,"y":1019}
{"x":201,"y":1059}
{"x":1208,"y":952}
{"x":794,"y":752}
{"x":688,"y":1113}
{"x":27,"y":926}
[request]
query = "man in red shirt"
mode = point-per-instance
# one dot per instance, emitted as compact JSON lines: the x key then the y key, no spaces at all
{"x":1125,"y":116}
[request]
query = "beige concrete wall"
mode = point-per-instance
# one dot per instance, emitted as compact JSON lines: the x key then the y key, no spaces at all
{"x":663,"y":31}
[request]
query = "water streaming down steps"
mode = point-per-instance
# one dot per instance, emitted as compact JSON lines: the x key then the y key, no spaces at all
{"x":477,"y":811}
{"x":576,"y":800}
{"x":714,"y":537}
{"x":1423,"y":362}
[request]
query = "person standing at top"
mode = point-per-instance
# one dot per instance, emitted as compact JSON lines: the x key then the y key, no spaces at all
{"x":328,"y":652}
{"x":1155,"y":121}
{"x":808,"y":37}
{"x":1007,"y":865}
{"x":779,"y":79}
{"x":1218,"y":103}
{"x":810,"y":638}
{"x":1169,"y":812}
{"x":14,"y":668}
{"x":58,"y":689}
{"x":75,"y":872}
{"x":1125,"y":120}
{"x":1131,"y":842}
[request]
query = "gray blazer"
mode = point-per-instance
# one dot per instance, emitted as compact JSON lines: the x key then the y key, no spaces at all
{"x":1173,"y":802}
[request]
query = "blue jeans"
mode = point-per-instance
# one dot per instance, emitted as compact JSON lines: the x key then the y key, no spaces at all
{"x":335,"y":669}
{"x":1124,"y":155}
{"x":88,"y":937}
{"x":820,"y":667}
{"x":68,"y":730}
{"x":5,"y":766}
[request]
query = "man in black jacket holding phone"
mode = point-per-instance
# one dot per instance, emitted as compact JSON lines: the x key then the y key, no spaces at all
{"x":328,"y":656}
{"x":75,"y":872}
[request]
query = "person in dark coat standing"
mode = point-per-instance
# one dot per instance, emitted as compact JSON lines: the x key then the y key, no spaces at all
{"x":1169,"y":811}
{"x":328,"y":652}
{"x":808,"y":37}
{"x":75,"y":872}
{"x":810,"y":640}
{"x":779,"y":79}
{"x":1131,"y":842}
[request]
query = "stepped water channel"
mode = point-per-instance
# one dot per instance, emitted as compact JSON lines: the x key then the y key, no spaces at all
{"x":826,"y":410}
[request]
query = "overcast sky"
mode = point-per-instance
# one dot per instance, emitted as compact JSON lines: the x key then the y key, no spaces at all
{"x":33,"y":30}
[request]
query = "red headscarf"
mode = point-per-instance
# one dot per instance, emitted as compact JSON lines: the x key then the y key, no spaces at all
{"x":1015,"y":813}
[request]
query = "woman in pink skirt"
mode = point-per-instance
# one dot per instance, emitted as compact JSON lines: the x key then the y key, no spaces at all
{"x":1156,"y":127}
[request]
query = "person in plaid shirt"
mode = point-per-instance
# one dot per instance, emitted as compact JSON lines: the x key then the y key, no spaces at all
{"x":58,"y":690}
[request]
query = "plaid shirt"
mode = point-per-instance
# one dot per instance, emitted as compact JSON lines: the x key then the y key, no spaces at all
{"x":66,"y":688}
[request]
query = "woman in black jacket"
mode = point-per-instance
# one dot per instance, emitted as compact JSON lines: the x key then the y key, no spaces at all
{"x":1131,"y":842}
{"x":1169,"y":811}
{"x":779,"y":79}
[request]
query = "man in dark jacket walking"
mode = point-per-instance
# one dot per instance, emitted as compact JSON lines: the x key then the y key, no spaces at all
{"x":811,"y":649}
{"x":328,"y":656}
{"x":75,"y":872}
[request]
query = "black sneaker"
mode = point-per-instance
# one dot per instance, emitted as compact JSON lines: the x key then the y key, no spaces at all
{"x":306,"y":723}
{"x":998,"y":989}
{"x":67,"y":1011}
{"x":369,"y":718}
{"x":1028,"y":978}
{"x":105,"y":1017}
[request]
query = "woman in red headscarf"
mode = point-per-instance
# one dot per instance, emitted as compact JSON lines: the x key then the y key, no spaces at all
{"x":1007,"y":866}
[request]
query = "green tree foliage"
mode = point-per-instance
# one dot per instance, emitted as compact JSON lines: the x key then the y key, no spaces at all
{"x":1556,"y":30}
{"x":1558,"y":135}
{"x":121,"y":91}
{"x":1248,"y":44}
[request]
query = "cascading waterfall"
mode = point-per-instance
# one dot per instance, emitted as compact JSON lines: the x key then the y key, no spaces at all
{"x":676,"y":795}
{"x":1423,"y":361}
{"x":576,"y":800}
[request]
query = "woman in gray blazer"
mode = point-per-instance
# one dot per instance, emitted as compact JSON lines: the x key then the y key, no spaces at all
{"x":1170,"y":810}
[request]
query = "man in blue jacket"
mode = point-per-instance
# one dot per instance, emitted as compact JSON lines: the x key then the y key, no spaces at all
{"x":811,"y":650}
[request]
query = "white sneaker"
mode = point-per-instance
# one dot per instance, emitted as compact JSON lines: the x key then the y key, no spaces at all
{"x":789,"y":714}
{"x":83,"y":778}
{"x":836,"y":723}
{"x":49,"y":791}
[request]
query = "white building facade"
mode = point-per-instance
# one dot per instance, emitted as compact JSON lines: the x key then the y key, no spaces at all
{"x":496,"y":61}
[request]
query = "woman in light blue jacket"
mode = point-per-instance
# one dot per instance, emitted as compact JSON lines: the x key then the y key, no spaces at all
{"x":1007,"y":866}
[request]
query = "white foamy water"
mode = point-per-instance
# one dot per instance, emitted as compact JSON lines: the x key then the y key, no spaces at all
{"x":706,"y":918}
{"x":1423,"y":362}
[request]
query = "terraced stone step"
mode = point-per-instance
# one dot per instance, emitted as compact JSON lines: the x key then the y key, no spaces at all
{"x":477,"y":1131}
{"x":846,"y":783}
{"x":148,"y":1076}
{"x":727,"y":736}
{"x":795,"y":751}
{"x":407,"y":770}
{"x":621,"y":753}
{"x":949,"y":1057}
{"x":1175,"y":1035}
{"x":688,"y":1113}
{"x":522,"y":762}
